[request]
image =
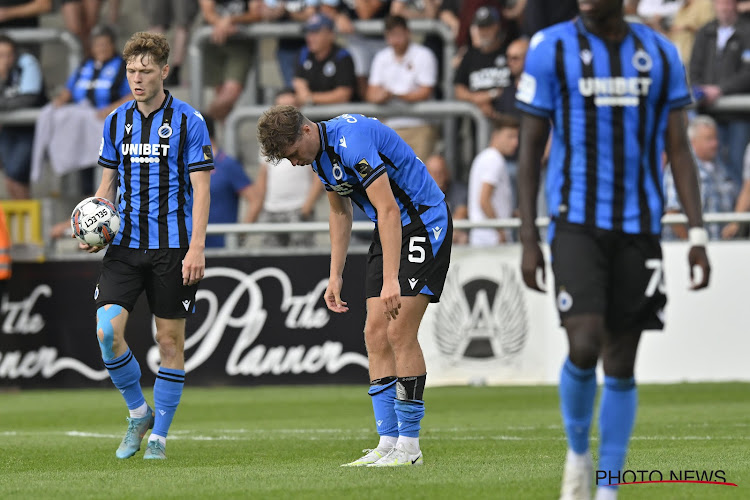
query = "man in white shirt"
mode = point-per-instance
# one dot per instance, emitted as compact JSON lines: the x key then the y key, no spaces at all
{"x":404,"y":72}
{"x":490,"y":190}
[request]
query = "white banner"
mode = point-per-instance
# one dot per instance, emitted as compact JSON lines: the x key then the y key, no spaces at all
{"x":489,"y":328}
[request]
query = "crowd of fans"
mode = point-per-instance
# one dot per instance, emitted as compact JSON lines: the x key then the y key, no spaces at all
{"x":333,"y":64}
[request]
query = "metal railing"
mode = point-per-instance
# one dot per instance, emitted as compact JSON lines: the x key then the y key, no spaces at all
{"x":511,"y":223}
{"x":259,"y":31}
{"x":426,"y":109}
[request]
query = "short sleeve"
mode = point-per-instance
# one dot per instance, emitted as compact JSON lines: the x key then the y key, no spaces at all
{"x":238,"y":177}
{"x":678,"y":94}
{"x":199,"y":153}
{"x":345,"y":70}
{"x":31,"y":75}
{"x":536,"y":87}
{"x":365,"y":159}
{"x":490,"y":170}
{"x":426,"y":68}
{"x":108,"y":155}
{"x":378,"y":69}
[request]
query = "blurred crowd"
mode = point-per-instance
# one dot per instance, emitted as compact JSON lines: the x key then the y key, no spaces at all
{"x":335,"y":64}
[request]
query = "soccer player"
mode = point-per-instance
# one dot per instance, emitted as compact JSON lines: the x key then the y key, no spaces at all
{"x":156,"y":151}
{"x":359,"y":159}
{"x":614,"y":93}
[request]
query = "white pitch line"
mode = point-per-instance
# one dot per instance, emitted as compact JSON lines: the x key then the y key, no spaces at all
{"x":328,"y":434}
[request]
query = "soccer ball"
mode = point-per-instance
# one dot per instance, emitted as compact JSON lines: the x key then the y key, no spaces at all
{"x":95,"y":221}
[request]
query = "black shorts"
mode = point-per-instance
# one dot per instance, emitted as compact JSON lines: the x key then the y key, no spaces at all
{"x":611,"y":273}
{"x":425,"y":255}
{"x":126,"y":272}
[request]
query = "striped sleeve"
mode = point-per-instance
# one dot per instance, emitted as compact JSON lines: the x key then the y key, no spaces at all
{"x":198,"y":148}
{"x":108,"y":154}
{"x":535,"y":92}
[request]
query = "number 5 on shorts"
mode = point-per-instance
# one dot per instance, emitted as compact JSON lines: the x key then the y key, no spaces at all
{"x":416,"y":252}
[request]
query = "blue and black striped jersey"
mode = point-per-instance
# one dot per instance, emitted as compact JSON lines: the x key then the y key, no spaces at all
{"x":609,"y":103}
{"x":101,"y":84}
{"x":154,"y":156}
{"x":357,"y":149}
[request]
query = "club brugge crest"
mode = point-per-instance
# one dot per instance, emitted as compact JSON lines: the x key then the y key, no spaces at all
{"x":482,"y":318}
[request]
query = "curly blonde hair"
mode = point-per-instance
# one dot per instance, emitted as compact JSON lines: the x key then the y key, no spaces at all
{"x":278,"y":128}
{"x":145,"y":43}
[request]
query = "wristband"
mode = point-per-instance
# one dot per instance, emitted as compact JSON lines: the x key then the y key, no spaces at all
{"x":697,"y":236}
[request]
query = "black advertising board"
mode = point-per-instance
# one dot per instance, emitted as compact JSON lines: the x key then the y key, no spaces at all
{"x":258,"y":320}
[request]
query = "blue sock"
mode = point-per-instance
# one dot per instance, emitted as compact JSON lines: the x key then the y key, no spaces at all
{"x":382,"y":405}
{"x":577,"y":392}
{"x":125,"y":373}
{"x":410,"y":404}
{"x":616,"y":419}
{"x":410,"y":413}
{"x":167,"y":394}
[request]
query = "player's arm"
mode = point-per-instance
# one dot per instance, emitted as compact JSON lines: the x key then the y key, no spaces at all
{"x":194,"y":263}
{"x":533,"y":140}
{"x":340,"y":230}
{"x":108,"y":186}
{"x":686,"y":183}
{"x":389,"y":226}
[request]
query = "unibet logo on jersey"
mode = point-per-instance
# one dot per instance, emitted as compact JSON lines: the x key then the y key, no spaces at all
{"x":615,"y":91}
{"x":141,"y":153}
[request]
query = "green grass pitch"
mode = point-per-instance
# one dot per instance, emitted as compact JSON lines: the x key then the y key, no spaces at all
{"x":288,"y":443}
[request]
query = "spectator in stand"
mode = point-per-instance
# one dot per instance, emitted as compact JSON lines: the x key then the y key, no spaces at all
{"x":324,"y":72}
{"x":362,"y":48}
{"x":424,"y":9}
{"x":288,"y":49}
{"x":687,"y":21}
{"x":515,"y":56}
{"x":229,"y":183}
{"x":658,"y":14}
{"x":540,"y":14}
{"x":100,"y":81}
{"x":21,"y":86}
{"x":22,"y":13}
{"x":178,"y":13}
{"x":404,"y":73}
{"x":718,"y":189}
{"x":484,"y":74}
{"x":490,"y":191}
{"x":455,"y":193}
{"x":720,"y":65}
{"x":460,"y":15}
{"x":227,"y":58}
{"x":80,"y":17}
{"x":289,"y":195}
{"x":732,"y":229}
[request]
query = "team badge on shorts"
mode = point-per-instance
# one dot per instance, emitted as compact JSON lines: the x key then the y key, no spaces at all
{"x":564,"y":301}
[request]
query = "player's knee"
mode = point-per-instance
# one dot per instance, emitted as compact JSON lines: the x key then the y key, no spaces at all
{"x":105,"y":330}
{"x":171,"y":344}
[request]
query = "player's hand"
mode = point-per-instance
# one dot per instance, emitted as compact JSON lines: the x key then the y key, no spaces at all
{"x":700,"y":269}
{"x":390,"y":294}
{"x":86,"y":247}
{"x":532,"y":262}
{"x":333,"y":295}
{"x":193,"y":266}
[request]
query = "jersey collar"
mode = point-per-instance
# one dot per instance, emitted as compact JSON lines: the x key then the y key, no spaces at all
{"x":166,"y":102}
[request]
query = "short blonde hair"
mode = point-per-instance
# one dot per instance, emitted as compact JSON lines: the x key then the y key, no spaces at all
{"x":145,"y":43}
{"x":279,"y":127}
